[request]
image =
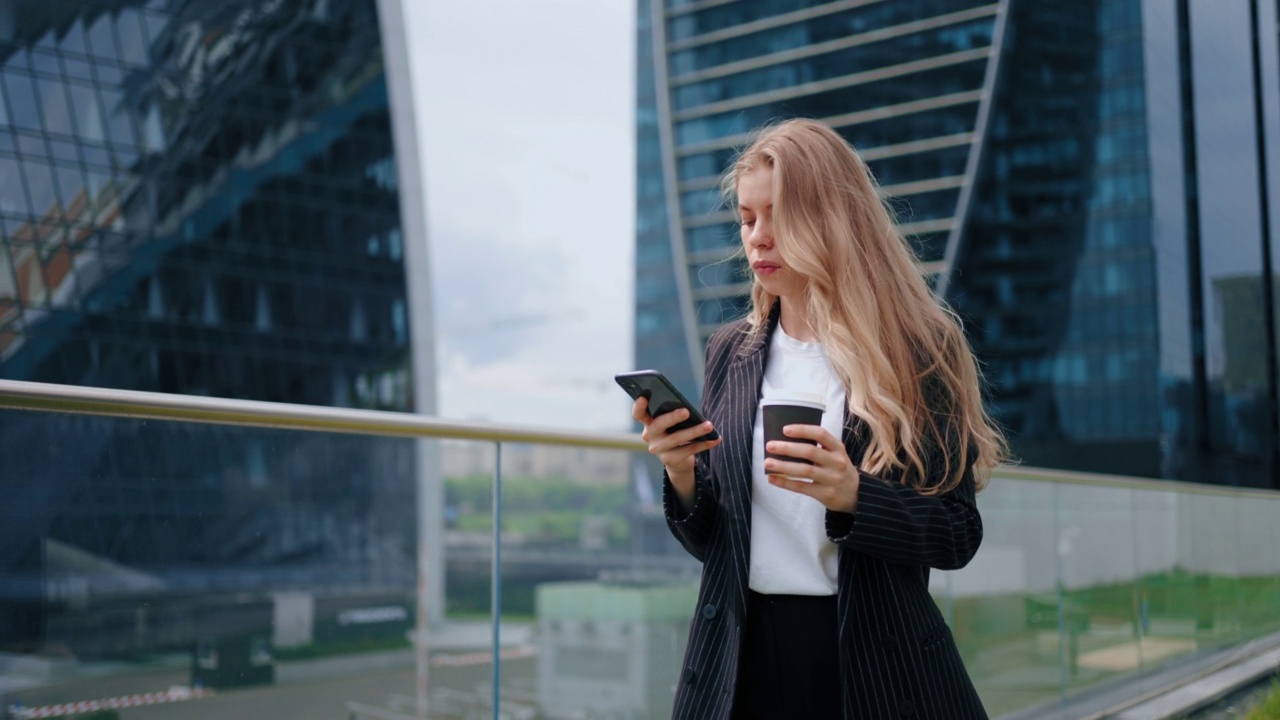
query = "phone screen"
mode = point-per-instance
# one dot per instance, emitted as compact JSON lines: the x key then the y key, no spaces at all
{"x":661,"y":400}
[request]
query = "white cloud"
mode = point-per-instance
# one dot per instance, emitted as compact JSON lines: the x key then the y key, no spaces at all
{"x":526,"y":125}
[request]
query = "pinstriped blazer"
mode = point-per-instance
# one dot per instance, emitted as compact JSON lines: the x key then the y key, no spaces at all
{"x":897,"y":655}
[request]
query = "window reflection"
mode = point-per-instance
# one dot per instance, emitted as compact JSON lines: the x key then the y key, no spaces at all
{"x":20,"y":97}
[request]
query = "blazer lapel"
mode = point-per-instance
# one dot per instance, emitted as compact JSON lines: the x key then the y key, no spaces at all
{"x":746,"y":375}
{"x":746,"y":379}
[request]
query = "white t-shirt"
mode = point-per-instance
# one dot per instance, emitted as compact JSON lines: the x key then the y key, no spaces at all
{"x":790,"y":552}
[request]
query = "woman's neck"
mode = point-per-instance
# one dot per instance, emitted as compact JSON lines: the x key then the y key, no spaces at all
{"x":794,"y":322}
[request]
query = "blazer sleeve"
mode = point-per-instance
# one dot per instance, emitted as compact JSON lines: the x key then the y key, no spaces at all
{"x":692,"y":528}
{"x":897,"y":524}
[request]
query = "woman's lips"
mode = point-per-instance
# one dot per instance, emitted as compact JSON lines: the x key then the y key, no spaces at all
{"x":764,"y":268}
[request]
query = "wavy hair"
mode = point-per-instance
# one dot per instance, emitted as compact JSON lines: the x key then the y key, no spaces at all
{"x":899,"y":351}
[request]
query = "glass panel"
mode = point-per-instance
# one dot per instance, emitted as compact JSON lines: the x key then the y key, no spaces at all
{"x":102,"y":41}
{"x":1004,"y":604}
{"x":12,"y":199}
{"x":278,"y":568}
{"x":1165,"y":590}
{"x":823,"y":28}
{"x":1207,"y":531}
{"x":39,"y":181}
{"x":21,"y":100}
{"x":892,"y":91}
{"x":1098,"y":614}
{"x":118,"y":121}
{"x":838,"y":63}
{"x":132,"y":41}
{"x":1257,"y":537}
{"x":138,"y":555}
{"x":57,"y":115}
{"x":597,"y":595}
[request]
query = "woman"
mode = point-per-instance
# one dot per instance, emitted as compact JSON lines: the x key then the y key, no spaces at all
{"x":814,"y":600}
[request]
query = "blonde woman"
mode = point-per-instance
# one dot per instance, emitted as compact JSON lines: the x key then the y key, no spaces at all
{"x":814,"y":600}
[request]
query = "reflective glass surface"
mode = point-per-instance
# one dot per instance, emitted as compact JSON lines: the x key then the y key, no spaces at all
{"x":902,"y":109}
{"x":954,"y":78}
{"x":257,"y":573}
{"x":591,"y":571}
{"x":823,"y":28}
{"x":830,"y":19}
{"x":660,"y":333}
{"x":1077,"y":585}
{"x":1056,"y":270}
{"x":1241,"y":409}
{"x":838,"y":63}
{"x":275,"y":568}
{"x":202,"y":199}
{"x":951,"y":119}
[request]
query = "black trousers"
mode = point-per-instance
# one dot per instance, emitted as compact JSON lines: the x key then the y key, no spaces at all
{"x":790,"y":663}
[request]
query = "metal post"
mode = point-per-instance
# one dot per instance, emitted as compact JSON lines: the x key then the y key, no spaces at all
{"x":422,"y":665}
{"x":495,"y":587}
{"x":1059,"y":567}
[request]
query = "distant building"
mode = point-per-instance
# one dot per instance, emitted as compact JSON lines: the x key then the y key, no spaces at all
{"x":1078,"y":179}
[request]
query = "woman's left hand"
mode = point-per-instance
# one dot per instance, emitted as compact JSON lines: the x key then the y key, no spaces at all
{"x":835,"y":477}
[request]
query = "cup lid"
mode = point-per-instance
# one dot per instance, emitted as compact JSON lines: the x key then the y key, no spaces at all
{"x":787,"y":397}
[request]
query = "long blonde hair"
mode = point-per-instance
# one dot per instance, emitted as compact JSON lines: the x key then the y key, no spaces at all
{"x":899,"y":351}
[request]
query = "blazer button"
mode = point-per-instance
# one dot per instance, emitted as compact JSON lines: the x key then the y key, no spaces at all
{"x":907,"y":708}
{"x":689,"y":675}
{"x":709,"y":612}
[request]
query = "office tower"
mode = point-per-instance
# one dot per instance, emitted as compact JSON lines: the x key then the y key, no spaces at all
{"x":199,"y":198}
{"x":1087,"y":184}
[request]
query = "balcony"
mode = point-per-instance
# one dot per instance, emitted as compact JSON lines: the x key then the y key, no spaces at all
{"x":188,"y":557}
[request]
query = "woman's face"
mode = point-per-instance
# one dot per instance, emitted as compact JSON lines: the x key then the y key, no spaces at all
{"x":755,"y":207}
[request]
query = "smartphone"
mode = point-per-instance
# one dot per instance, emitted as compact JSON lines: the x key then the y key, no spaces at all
{"x":663,"y":398}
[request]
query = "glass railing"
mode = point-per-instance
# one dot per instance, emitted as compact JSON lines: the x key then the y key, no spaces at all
{"x":176,"y":557}
{"x":1083,"y":580}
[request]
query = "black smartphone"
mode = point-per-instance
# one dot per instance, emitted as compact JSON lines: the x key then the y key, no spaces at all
{"x":663,"y":398}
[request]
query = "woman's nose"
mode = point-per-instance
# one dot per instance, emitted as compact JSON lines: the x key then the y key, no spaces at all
{"x":760,"y":236}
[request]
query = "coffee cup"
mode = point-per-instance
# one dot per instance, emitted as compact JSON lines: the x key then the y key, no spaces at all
{"x":790,"y":408}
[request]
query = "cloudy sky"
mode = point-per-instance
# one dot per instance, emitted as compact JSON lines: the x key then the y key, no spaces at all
{"x":525,"y":120}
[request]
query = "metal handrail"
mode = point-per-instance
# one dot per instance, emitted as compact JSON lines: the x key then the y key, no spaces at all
{"x":47,"y":397}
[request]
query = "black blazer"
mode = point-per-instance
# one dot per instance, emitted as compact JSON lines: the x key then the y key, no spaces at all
{"x":897,"y":655}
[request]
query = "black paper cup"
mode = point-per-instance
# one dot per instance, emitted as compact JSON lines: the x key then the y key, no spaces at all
{"x":790,"y":409}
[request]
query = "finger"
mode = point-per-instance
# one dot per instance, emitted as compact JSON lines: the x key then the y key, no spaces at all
{"x":640,"y":410}
{"x":797,"y":486}
{"x":774,"y":466}
{"x":794,"y":449}
{"x":662,"y":423}
{"x":816,"y":433}
{"x":683,"y":452}
{"x":684,"y":437}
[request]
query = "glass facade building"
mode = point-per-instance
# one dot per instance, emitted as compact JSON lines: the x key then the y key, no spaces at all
{"x":198,"y":198}
{"x":1089,"y":186}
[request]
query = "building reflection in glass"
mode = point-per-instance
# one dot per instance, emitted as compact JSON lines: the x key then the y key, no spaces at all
{"x":200,"y":198}
{"x":1079,"y":183}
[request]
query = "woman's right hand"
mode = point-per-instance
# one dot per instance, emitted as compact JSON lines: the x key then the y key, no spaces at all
{"x":675,"y":450}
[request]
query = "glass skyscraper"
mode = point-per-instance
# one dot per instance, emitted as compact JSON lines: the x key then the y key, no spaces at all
{"x":1088,"y":184}
{"x":199,"y":198}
